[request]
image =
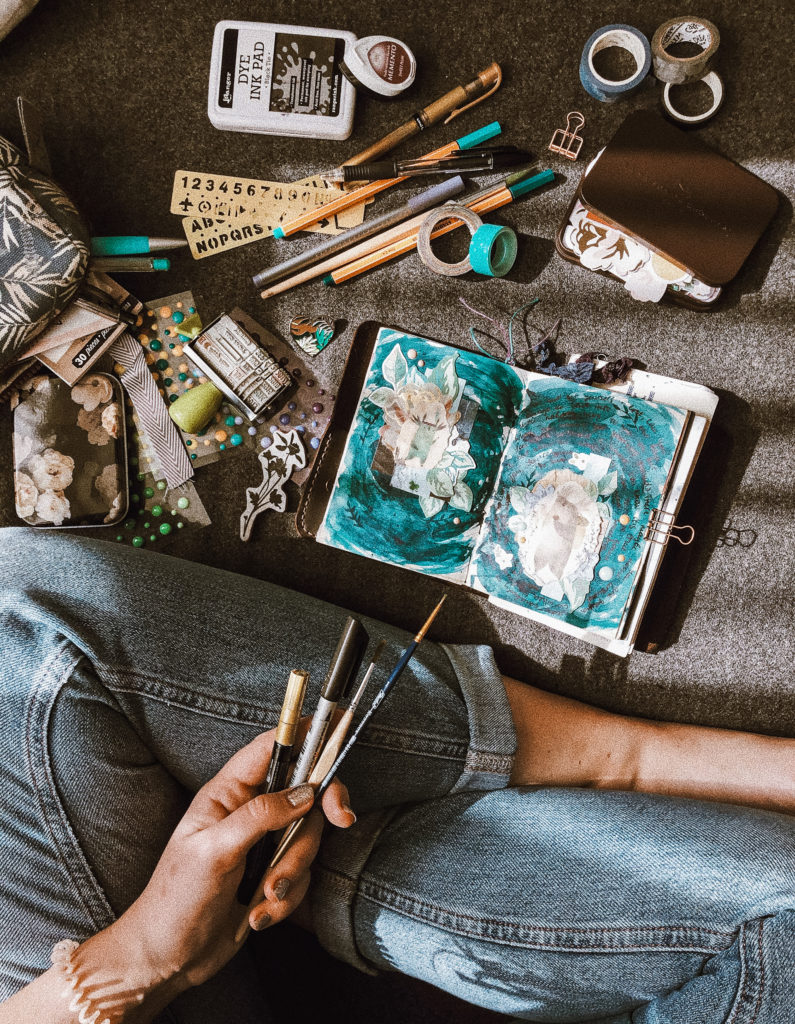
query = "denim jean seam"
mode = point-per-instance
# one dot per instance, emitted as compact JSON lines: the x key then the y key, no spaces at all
{"x":743,"y":994}
{"x":412,"y":907}
{"x":123,"y":681}
{"x":54,"y":677}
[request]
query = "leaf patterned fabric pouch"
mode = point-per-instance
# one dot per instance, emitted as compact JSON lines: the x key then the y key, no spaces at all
{"x":44,"y":250}
{"x":70,"y":466}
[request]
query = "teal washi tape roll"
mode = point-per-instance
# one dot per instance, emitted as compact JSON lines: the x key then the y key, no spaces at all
{"x":624,"y":37}
{"x":493,"y":249}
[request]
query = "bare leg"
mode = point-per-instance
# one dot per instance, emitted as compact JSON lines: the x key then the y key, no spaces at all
{"x":562,"y":742}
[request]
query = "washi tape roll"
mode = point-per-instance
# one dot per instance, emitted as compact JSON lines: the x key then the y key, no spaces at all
{"x":493,"y":249}
{"x":626,"y":38}
{"x":679,"y":70}
{"x":427,"y":255}
{"x":713,"y":80}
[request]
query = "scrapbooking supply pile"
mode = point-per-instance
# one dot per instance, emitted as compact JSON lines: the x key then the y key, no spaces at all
{"x":553,"y":487}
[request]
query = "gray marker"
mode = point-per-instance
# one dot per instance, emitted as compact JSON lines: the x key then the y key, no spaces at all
{"x":343,"y":668}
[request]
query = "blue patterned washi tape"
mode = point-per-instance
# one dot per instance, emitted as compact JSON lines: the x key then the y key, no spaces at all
{"x":627,"y":38}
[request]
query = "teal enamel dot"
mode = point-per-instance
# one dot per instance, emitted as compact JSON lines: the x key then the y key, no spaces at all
{"x":183,"y":503}
{"x":173,"y":398}
{"x":222,"y":447}
{"x":161,"y":364}
{"x":155,"y":347}
{"x":171,"y":344}
{"x":178,"y":317}
{"x":183,"y":376}
{"x":191,"y":309}
{"x":230,"y":421}
{"x":165,"y":528}
{"x":168,"y":382}
{"x":236,"y":439}
{"x":137,"y":541}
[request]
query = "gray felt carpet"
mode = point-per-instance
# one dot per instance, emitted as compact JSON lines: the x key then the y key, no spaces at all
{"x":123,"y":89}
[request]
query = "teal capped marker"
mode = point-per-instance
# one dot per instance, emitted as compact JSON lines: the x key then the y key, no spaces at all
{"x":132,"y":245}
{"x":475,"y":138}
{"x":521,"y":188}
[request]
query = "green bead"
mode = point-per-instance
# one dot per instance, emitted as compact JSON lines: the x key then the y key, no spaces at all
{"x":148,"y":492}
{"x":182,"y":376}
{"x":152,"y":536}
{"x":194,"y":409}
{"x":236,"y":439}
{"x":146,"y":526}
{"x":155,"y":347}
{"x":161,"y":364}
{"x":156,"y":510}
{"x":180,"y":525}
{"x":183,"y":503}
{"x":161,"y":485}
{"x":168,"y":381}
{"x":165,"y":528}
{"x":119,"y":537}
{"x":137,"y":541}
{"x":129,"y":524}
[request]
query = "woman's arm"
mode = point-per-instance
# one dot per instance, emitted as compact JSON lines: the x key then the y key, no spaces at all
{"x":181,"y":929}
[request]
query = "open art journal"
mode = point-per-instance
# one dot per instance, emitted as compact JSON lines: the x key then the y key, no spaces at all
{"x":535,"y":490}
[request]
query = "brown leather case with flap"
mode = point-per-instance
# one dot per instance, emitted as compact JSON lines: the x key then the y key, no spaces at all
{"x":684,"y":200}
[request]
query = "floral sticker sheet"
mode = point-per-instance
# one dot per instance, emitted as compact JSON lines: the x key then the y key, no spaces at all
{"x":69,"y":466}
{"x":563,"y":534}
{"x":422,"y":455}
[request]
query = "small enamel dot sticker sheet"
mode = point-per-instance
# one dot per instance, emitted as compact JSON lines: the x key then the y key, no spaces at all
{"x":162,"y":328}
{"x":167,"y":323}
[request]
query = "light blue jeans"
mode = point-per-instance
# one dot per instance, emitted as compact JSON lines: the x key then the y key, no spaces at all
{"x":127,"y":679}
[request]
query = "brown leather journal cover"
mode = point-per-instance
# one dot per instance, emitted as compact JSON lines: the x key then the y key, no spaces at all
{"x":681,"y":197}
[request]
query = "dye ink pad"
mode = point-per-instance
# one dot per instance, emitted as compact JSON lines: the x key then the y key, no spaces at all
{"x":293,"y":80}
{"x":280,"y":80}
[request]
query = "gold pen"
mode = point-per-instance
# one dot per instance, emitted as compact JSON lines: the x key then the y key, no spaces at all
{"x":453,"y":103}
{"x":276,"y":779}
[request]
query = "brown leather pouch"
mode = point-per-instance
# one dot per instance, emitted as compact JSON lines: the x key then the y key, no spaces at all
{"x":680,"y":198}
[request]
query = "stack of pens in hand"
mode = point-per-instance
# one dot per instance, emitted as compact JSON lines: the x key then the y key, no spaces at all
{"x":384,"y":238}
{"x":317,"y":763}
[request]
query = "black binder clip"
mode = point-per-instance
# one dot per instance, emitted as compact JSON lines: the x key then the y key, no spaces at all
{"x":662,"y":527}
{"x":566,"y":141}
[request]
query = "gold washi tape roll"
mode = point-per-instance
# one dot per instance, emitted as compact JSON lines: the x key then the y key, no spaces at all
{"x":685,"y":29}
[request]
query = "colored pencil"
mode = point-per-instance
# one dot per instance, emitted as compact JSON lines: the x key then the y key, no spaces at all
{"x":403,"y":230}
{"x":358,"y":195}
{"x":503,"y":196}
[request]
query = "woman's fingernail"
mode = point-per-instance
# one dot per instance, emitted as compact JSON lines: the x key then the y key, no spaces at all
{"x":350,"y":811}
{"x":261,"y":923}
{"x":300,"y":795}
{"x":281,"y":888}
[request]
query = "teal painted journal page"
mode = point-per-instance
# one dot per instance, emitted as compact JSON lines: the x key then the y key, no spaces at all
{"x":422,"y":455}
{"x":563,"y":533}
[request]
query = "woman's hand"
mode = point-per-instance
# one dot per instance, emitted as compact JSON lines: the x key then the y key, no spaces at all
{"x":187,"y":916}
